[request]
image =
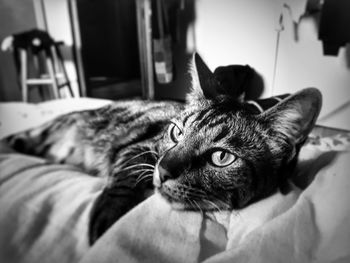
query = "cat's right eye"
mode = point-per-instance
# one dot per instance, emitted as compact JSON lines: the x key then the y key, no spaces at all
{"x":175,"y":133}
{"x":222,"y":158}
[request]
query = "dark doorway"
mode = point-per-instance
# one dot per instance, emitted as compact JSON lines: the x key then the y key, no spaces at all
{"x":109,"y":48}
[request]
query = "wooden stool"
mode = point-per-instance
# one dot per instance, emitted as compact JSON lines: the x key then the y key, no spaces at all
{"x":52,"y":73}
{"x":37,"y":53}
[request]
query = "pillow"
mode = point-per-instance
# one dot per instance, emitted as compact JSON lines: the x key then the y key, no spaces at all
{"x":303,"y":226}
{"x":44,"y":209}
{"x":19,"y":116}
{"x":44,"y":212}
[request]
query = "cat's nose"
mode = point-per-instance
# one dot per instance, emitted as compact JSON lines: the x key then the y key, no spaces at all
{"x":160,"y":176}
{"x":164,"y":174}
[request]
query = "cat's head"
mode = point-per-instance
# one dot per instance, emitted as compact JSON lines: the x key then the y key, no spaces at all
{"x":219,"y":156}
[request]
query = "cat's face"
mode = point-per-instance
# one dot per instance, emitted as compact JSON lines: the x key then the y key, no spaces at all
{"x":218,"y":156}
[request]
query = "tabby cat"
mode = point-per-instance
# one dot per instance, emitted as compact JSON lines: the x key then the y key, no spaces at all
{"x":211,"y":153}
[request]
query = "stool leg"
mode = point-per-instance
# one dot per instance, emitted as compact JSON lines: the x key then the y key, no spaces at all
{"x":63,"y":67}
{"x":24,"y":74}
{"x":38,"y":68}
{"x":50,"y":68}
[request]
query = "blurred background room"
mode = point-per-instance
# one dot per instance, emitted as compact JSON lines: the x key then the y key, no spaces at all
{"x":117,"y":49}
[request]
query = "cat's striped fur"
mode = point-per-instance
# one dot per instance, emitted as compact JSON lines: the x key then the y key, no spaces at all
{"x":119,"y":142}
{"x":211,"y":153}
{"x":99,"y":140}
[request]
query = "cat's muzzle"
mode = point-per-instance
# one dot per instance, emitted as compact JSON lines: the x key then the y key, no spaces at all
{"x":160,"y":176}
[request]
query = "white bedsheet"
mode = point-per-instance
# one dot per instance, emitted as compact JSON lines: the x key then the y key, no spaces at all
{"x":304,"y":226}
{"x":19,"y":116}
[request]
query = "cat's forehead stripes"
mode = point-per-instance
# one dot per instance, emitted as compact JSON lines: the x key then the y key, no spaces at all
{"x":218,"y":126}
{"x":190,"y":117}
{"x":187,"y":117}
{"x":213,"y":117}
{"x":222,"y":134}
{"x":202,"y":114}
{"x":206,"y":119}
{"x":220,"y":120}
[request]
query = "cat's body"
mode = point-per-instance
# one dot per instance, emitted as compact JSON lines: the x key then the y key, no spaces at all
{"x":99,"y":141}
{"x":119,"y":142}
{"x":212,"y":153}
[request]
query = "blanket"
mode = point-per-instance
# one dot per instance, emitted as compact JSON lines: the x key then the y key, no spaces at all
{"x":44,"y":212}
{"x":303,"y":226}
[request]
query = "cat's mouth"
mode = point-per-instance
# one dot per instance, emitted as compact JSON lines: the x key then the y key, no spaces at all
{"x":175,"y":203}
{"x":176,"y":197}
{"x":170,"y":194}
{"x":181,"y":199}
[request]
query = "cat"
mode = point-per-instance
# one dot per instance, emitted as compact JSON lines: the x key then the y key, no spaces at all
{"x":211,"y":153}
{"x":119,"y":142}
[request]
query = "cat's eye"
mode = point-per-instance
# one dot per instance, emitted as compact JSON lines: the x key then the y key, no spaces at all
{"x":175,"y":133}
{"x":222,"y":158}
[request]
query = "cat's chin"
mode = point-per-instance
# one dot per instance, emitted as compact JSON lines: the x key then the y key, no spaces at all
{"x":178,"y":206}
{"x":195,"y":205}
{"x":175,"y":204}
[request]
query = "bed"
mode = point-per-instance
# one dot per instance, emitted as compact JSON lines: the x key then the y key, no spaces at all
{"x":44,"y":209}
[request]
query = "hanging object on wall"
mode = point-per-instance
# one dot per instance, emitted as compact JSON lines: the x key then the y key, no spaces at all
{"x":162,"y":44}
{"x":334,"y":30}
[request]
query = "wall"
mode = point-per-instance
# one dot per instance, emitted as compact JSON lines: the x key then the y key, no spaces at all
{"x":19,"y":15}
{"x":15,"y":16}
{"x":244,"y":32}
{"x":58,"y":25}
{"x":182,"y":46}
{"x":301,"y":64}
{"x":229,"y":32}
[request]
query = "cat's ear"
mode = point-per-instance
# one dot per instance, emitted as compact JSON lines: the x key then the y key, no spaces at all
{"x":296,"y":115}
{"x":204,"y":83}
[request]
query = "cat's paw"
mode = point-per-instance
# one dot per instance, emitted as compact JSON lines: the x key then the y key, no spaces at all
{"x":107,"y":209}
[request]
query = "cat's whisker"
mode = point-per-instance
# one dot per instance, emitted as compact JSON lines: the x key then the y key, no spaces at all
{"x":136,"y":166}
{"x":200,"y":209}
{"x":146,"y":171}
{"x":192,"y":203}
{"x":215,"y":206}
{"x":120,"y":179}
{"x":196,"y":195}
{"x":218,"y":198}
{"x":195,"y":190}
{"x":199,"y":193}
{"x":215,"y":199}
{"x":206,"y":198}
{"x":144,"y":177}
{"x":141,"y":171}
{"x":149,"y":175}
{"x":140,"y":154}
{"x":154,"y":153}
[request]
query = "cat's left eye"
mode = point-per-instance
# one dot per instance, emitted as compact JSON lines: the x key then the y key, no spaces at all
{"x":175,"y":133}
{"x":222,"y":158}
